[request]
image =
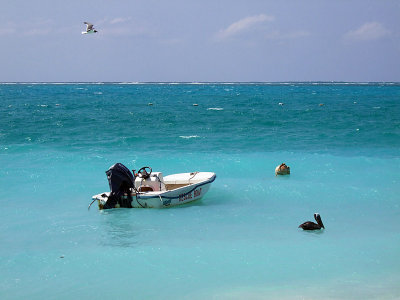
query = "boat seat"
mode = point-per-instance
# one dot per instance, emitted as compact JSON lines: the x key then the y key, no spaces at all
{"x":145,"y":189}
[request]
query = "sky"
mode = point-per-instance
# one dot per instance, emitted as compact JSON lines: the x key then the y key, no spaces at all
{"x":200,"y":41}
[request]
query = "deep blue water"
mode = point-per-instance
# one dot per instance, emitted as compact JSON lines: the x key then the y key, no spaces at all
{"x":241,"y":241}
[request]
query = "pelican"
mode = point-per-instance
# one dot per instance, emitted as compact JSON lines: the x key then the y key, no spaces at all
{"x":89,"y":28}
{"x":311,"y":225}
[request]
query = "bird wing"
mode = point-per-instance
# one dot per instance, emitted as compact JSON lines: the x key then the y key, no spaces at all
{"x":309,"y":226}
{"x":88,"y":26}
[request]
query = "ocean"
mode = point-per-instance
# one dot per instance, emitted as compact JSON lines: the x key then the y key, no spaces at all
{"x":241,"y":241}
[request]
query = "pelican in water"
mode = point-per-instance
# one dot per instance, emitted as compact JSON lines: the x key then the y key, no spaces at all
{"x":89,"y":28}
{"x":311,"y":225}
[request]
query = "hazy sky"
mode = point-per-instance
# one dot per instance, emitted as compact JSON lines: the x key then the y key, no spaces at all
{"x":203,"y":40}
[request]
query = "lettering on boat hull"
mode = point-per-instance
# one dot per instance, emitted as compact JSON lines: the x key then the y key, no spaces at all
{"x":192,"y":195}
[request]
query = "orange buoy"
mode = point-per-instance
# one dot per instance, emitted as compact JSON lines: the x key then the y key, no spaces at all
{"x":282,"y":169}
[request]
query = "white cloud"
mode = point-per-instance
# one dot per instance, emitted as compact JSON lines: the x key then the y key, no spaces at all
{"x":36,"y":27}
{"x":367,"y":32}
{"x":7,"y":31}
{"x":119,"y":20}
{"x":244,"y":25}
{"x":121,"y":26}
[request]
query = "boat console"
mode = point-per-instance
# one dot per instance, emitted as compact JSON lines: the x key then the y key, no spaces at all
{"x":152,"y":183}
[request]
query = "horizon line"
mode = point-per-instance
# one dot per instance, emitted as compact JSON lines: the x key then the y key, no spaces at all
{"x":199,"y":82}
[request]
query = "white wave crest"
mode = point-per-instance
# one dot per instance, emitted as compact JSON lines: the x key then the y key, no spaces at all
{"x":189,"y":136}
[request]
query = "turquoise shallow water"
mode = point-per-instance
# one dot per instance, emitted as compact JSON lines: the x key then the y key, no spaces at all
{"x":241,"y":241}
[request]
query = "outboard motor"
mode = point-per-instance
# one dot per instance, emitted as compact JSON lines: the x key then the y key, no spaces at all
{"x":121,"y":182}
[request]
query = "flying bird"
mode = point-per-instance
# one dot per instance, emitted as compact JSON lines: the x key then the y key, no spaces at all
{"x":89,"y":28}
{"x":311,"y":225}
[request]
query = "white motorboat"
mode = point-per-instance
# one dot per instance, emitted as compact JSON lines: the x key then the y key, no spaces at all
{"x":148,"y":189}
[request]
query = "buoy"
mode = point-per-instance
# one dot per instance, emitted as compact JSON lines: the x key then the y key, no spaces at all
{"x":282,"y":169}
